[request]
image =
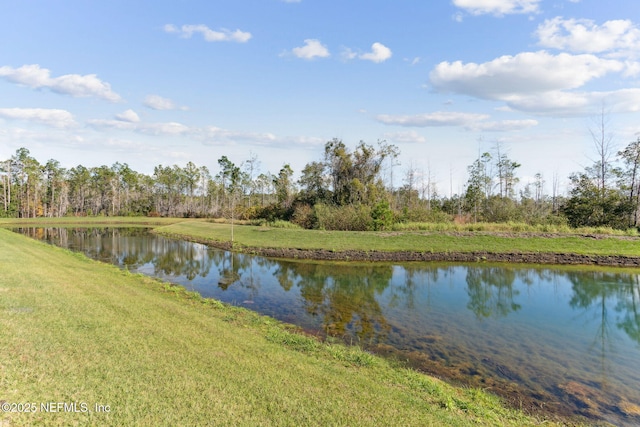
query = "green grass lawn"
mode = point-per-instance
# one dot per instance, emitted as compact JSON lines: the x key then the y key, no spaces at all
{"x":255,"y":236}
{"x":73,"y":330}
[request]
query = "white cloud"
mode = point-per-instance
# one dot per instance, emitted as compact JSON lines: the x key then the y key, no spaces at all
{"x":410,"y":137}
{"x":303,"y":141}
{"x":347,"y":54}
{"x":559,"y":103}
{"x":540,"y":83}
{"x":170,"y":28}
{"x":583,"y":35}
{"x":127,"y":146}
{"x":468,"y":121}
{"x":526,"y":73}
{"x":213,"y":135}
{"x":502,"y":125}
{"x":166,"y":128}
{"x":498,"y":7}
{"x":75,"y":85}
{"x":27,"y":75}
{"x":217,"y":136}
{"x":156,"y":102}
{"x":208,"y":135}
{"x":312,"y":49}
{"x":161,"y":128}
{"x":379,"y":53}
{"x":209,"y":35}
{"x":554,"y":103}
{"x":128,"y":116}
{"x":49,"y":117}
{"x":439,"y":118}
{"x":112,"y":124}
{"x":504,"y":109}
{"x":632,"y":68}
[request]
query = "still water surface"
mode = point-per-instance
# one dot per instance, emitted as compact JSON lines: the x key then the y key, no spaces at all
{"x":562,"y":339}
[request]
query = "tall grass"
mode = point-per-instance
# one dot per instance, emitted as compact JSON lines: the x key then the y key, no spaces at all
{"x":274,"y":224}
{"x":510,"y":227}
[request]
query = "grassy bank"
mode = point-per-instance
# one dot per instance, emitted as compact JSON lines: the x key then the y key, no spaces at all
{"x":90,"y":221}
{"x":78,"y":331}
{"x":434,"y":238}
{"x":416,"y":241}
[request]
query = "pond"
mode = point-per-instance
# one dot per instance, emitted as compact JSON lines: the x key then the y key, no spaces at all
{"x":559,"y":339}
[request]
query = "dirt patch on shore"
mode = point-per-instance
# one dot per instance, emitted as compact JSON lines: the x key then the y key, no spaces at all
{"x":527,"y":258}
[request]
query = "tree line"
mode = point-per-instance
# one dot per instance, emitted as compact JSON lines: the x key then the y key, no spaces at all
{"x":346,"y":189}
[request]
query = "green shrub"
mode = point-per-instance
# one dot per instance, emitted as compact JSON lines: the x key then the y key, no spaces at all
{"x":422,"y":215}
{"x":382,"y":216}
{"x":273,"y":212}
{"x":633,"y":232}
{"x":305,"y":216}
{"x":344,"y":218}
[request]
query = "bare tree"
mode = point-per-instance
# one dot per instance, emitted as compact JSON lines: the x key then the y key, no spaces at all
{"x":251,"y":167}
{"x":428,"y":187}
{"x":505,"y":171}
{"x":555,"y":187}
{"x":603,"y":143}
{"x":539,"y":188}
{"x":410,"y":184}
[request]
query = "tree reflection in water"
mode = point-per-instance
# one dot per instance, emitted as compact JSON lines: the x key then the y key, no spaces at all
{"x":345,"y":302}
{"x":629,"y":321}
{"x":591,"y":291}
{"x":491,"y":292}
{"x":127,"y":247}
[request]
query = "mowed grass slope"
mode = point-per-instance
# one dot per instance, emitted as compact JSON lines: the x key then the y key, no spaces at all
{"x":437,"y":242}
{"x":75,"y":330}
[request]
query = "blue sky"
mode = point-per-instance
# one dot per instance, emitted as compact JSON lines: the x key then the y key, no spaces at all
{"x":167,"y":82}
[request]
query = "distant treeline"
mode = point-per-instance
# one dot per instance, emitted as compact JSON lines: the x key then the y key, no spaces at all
{"x":348,"y":189}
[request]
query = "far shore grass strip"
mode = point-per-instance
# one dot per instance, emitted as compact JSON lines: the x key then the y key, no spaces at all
{"x":435,"y":242}
{"x":494,"y":238}
{"x":89,"y":221}
{"x":102,"y":346}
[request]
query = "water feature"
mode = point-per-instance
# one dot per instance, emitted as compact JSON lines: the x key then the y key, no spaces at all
{"x":562,"y":339}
